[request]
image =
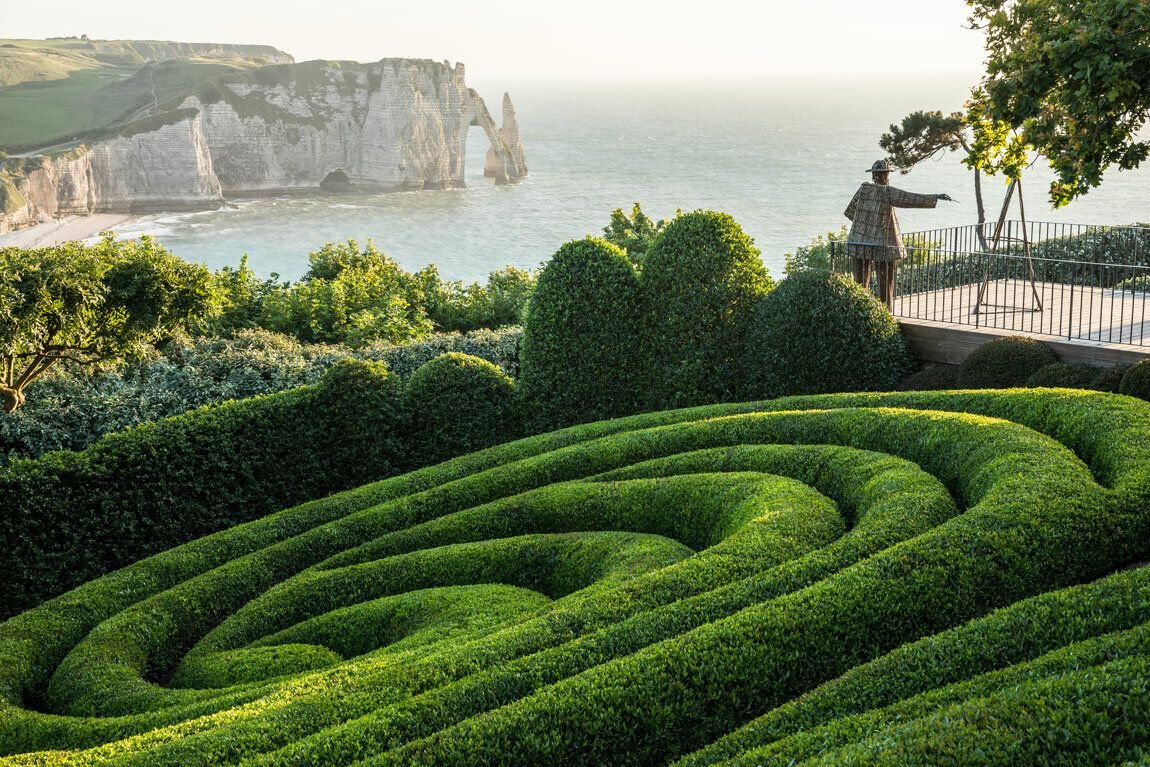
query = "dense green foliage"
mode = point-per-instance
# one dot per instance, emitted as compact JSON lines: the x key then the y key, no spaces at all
{"x":582,"y":357}
{"x":931,"y":378}
{"x":1071,"y":79}
{"x":453,"y":306}
{"x":460,"y":404}
{"x":72,"y":515}
{"x":634,"y":234}
{"x":358,"y":296}
{"x":702,"y":281}
{"x":1136,"y":381}
{"x":1067,"y":375}
{"x":73,"y":408}
{"x":1004,"y":362}
{"x":89,"y":304}
{"x":817,"y":255}
{"x":840,"y":578}
{"x":818,"y":333}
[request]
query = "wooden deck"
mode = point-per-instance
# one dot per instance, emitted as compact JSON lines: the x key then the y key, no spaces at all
{"x":1092,"y":325}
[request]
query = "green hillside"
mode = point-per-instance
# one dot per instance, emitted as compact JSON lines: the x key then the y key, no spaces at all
{"x":917,"y":578}
{"x":58,"y":90}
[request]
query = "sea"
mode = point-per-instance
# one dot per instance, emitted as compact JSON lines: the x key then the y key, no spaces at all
{"x":783,"y":156}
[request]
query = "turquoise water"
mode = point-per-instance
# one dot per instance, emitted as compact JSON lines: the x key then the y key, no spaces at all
{"x":783,"y":157}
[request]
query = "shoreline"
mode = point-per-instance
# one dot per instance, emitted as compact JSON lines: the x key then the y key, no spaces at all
{"x":63,"y":230}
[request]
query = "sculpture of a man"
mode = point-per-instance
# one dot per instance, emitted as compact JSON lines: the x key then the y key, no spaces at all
{"x":875,"y":240}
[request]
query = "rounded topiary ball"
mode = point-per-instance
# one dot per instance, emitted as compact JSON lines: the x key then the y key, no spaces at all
{"x":460,"y":404}
{"x":817,"y":333}
{"x":931,"y":378}
{"x":1004,"y":362}
{"x":1110,"y":379}
{"x":1136,"y":381}
{"x":1067,"y":375}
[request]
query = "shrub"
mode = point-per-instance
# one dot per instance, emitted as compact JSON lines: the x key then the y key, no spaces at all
{"x":1136,"y":381}
{"x":74,"y":409}
{"x":702,"y":280}
{"x":581,"y":346}
{"x":349,"y":295}
{"x":1004,"y":362}
{"x":1068,"y":375}
{"x":1110,"y":379}
{"x":460,"y":404}
{"x":499,"y":347}
{"x":931,"y":378}
{"x":72,"y":515}
{"x":690,"y":570}
{"x":818,"y":333}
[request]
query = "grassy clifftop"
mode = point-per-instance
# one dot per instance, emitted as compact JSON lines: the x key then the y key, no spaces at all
{"x":57,"y":90}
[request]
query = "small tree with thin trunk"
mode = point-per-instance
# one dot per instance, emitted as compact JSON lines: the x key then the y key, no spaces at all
{"x":924,"y":135}
{"x":89,"y":304}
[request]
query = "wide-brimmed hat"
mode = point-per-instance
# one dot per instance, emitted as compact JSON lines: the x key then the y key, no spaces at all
{"x":881,"y":166}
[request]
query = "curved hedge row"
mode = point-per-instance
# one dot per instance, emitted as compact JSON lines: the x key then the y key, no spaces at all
{"x":844,"y":578}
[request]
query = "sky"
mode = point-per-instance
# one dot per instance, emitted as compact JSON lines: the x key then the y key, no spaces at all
{"x":541,"y":39}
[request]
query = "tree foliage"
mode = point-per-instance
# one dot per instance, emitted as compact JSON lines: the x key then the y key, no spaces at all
{"x":350,"y":294}
{"x":636,"y":233}
{"x":1071,"y":80}
{"x":89,"y":304}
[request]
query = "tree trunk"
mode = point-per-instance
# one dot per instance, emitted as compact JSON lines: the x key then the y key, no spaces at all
{"x":11,"y":398}
{"x":981,"y":208}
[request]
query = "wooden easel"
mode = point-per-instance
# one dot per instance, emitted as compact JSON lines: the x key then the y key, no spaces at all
{"x":1015,"y":185}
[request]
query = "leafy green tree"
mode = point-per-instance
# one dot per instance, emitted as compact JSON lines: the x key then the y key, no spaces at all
{"x":815,"y":257}
{"x":1069,"y":79}
{"x":452,"y":306}
{"x":349,"y":295}
{"x":701,"y":280}
{"x":925,"y":135}
{"x":89,"y":304}
{"x":635,"y":233}
{"x":240,"y":296}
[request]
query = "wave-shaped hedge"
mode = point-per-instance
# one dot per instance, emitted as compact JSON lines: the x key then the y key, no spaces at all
{"x":905,"y":578}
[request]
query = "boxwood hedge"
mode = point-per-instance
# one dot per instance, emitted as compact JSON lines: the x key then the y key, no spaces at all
{"x":915,"y":577}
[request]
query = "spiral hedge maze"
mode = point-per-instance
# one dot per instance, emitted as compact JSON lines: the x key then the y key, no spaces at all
{"x":917,"y":578}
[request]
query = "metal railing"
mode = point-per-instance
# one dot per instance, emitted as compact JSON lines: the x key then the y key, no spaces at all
{"x":1067,"y":280}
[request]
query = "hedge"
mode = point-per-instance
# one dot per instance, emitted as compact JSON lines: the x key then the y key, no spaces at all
{"x":460,"y":404}
{"x":581,"y":349}
{"x":818,"y":333}
{"x":72,"y":515}
{"x":656,"y":582}
{"x":702,"y":280}
{"x":1004,"y":362}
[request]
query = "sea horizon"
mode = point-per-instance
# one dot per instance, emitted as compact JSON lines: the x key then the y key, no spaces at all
{"x":782,"y":154}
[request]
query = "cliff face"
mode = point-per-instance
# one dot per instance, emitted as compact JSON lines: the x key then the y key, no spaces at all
{"x":398,"y":124}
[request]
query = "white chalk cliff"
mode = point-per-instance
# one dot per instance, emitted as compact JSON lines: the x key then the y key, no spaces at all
{"x":397,"y":124}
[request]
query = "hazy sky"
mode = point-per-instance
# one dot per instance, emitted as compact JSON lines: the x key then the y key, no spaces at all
{"x":547,"y":39}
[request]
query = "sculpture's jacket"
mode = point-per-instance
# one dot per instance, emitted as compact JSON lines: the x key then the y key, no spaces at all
{"x":874,"y":230}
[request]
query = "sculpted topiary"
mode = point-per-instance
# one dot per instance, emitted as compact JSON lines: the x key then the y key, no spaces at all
{"x":1004,"y":362}
{"x":1067,"y":375}
{"x":580,"y":353}
{"x":818,"y":333}
{"x":1136,"y":381}
{"x":702,"y":280}
{"x":460,"y":404}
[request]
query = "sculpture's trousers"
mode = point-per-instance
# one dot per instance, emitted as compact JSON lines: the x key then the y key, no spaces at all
{"x":884,"y":271}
